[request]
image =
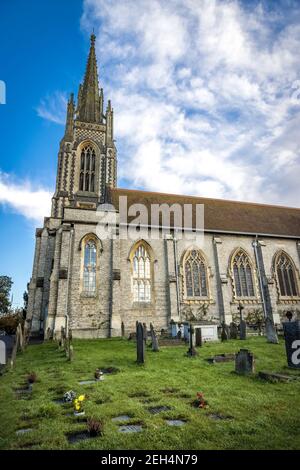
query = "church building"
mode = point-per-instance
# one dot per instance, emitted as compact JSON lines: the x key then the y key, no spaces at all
{"x":99,"y":286}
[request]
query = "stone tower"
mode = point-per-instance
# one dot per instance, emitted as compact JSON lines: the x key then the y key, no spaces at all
{"x":87,"y":161}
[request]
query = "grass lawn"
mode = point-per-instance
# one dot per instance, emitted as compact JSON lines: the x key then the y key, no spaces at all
{"x":263,"y":415}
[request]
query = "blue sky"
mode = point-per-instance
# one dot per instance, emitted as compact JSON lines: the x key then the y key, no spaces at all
{"x":206,"y":96}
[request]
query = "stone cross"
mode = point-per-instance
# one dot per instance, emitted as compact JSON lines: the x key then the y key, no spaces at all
{"x":244,"y":362}
{"x":192,"y":351}
{"x":140,"y":344}
{"x":155,"y":346}
{"x":292,"y":343}
{"x":233,"y":331}
{"x":270,"y":331}
{"x":243,"y":326}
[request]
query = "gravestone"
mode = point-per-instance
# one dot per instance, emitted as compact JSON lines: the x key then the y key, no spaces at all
{"x":270,"y":331}
{"x":224,"y":332}
{"x":292,"y":343}
{"x":244,"y":362}
{"x":198,"y":340}
{"x":145,"y":332}
{"x":243,"y":325}
{"x":123,"y":330}
{"x":233,"y":331}
{"x":140,"y":344}
{"x":155,"y":347}
{"x":243,"y":330}
{"x":191,"y":351}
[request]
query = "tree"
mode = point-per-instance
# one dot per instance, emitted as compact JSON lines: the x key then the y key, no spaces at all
{"x":5,"y":288}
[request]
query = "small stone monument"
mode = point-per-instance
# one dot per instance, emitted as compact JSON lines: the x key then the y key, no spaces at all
{"x":244,"y":362}
{"x":198,"y":339}
{"x":224,"y":332}
{"x":271,"y":331}
{"x":145,"y":332}
{"x":233,"y":331}
{"x":122,"y":330}
{"x":155,"y":346}
{"x":292,"y":343}
{"x":140,"y":344}
{"x":243,"y":325}
{"x":191,"y":351}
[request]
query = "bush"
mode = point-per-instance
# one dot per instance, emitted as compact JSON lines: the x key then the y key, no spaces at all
{"x":9,"y":323}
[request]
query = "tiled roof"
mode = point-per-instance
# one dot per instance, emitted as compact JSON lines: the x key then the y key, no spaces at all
{"x":222,"y":215}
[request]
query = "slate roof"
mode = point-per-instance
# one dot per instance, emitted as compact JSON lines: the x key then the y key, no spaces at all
{"x":223,"y":215}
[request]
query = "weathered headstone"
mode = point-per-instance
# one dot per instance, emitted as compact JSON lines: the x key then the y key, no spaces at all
{"x":155,"y":346}
{"x":71,"y":353}
{"x":191,"y":351}
{"x":48,"y":334}
{"x":224,"y":332}
{"x":233,"y":331}
{"x":123,"y":330}
{"x":271,"y":331}
{"x":140,"y":344}
{"x":292,"y":343}
{"x":145,"y":332}
{"x":244,"y":362}
{"x":198,"y":339}
{"x":243,"y":325}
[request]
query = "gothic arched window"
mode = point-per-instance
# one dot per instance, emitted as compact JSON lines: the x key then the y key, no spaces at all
{"x":87,"y":169}
{"x":141,"y":274}
{"x":89,"y":267}
{"x":286,"y":276}
{"x":242,"y":275}
{"x":195,"y":275}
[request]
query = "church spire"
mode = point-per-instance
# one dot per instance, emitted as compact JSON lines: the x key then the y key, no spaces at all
{"x":89,"y":102}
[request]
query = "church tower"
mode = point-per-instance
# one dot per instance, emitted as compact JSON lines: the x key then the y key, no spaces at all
{"x":87,"y":158}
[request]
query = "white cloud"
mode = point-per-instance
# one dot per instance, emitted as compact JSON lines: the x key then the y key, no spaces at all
{"x":53,"y":107}
{"x":22,"y":198}
{"x":203,"y":95}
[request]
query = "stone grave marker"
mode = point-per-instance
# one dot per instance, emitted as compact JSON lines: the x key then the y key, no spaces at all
{"x":224,"y":332}
{"x":140,"y":344}
{"x":271,"y":331}
{"x":191,"y":351}
{"x":244,"y":362}
{"x":292,"y":343}
{"x":243,"y":325}
{"x":155,"y":346}
{"x":233,"y":331}
{"x":122,"y":330}
{"x":198,"y":338}
{"x":145,"y":332}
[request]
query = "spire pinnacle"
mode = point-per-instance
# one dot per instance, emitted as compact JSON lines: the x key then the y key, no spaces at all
{"x":89,"y":105}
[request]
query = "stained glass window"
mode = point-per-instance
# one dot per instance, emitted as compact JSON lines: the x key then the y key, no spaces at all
{"x":141,"y":267}
{"x":87,"y":169}
{"x":195,"y":275}
{"x":286,"y":276}
{"x":242,"y":275}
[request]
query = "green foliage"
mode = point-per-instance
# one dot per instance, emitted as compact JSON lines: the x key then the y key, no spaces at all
{"x":5,"y":288}
{"x":9,"y":323}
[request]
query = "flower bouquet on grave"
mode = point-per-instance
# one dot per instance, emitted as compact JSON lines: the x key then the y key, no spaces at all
{"x":78,"y":405}
{"x":200,"y":401}
{"x":69,"y":396}
{"x":98,"y":374}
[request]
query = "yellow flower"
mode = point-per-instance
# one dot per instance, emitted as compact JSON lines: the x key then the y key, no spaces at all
{"x":81,"y":397}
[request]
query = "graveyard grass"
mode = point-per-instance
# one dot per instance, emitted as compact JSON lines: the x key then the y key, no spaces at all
{"x":263,"y":415}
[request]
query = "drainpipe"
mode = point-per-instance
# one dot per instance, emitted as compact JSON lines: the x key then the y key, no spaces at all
{"x":110,"y":307}
{"x":68,"y":282}
{"x":176,"y":275}
{"x":255,"y":243}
